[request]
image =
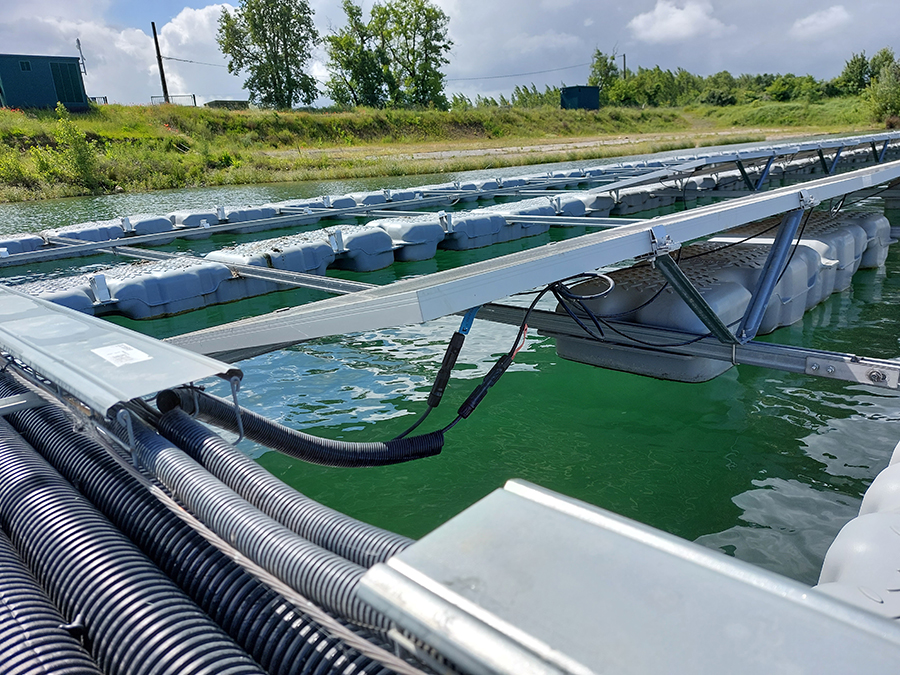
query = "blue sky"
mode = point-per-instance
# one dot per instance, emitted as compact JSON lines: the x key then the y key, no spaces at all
{"x":140,"y":14}
{"x":491,"y":39}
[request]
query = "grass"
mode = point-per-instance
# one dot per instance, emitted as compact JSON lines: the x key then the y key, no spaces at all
{"x":140,"y":148}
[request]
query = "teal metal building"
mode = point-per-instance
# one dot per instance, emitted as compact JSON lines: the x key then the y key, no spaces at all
{"x":579,"y":98}
{"x":28,"y":81}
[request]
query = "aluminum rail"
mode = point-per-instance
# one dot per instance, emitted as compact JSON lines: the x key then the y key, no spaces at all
{"x":298,"y":279}
{"x":425,"y":298}
{"x":98,"y":362}
{"x":72,"y":250}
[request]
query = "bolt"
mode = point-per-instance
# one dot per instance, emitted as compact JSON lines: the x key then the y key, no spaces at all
{"x":830,"y":370}
{"x":877,"y":376}
{"x":814,"y":367}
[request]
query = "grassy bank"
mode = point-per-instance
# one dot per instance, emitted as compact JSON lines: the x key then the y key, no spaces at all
{"x":137,"y":148}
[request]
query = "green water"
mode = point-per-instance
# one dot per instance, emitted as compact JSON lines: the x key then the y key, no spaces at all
{"x":763,"y":465}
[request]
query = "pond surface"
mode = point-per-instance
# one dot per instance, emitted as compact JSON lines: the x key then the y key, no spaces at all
{"x":763,"y":465}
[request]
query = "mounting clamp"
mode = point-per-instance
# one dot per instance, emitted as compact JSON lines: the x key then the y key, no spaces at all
{"x":807,"y":200}
{"x":660,"y":243}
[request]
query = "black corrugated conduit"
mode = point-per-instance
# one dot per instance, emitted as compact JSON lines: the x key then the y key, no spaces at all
{"x":136,"y":620}
{"x":32,"y":638}
{"x":322,"y":576}
{"x":259,"y":619}
{"x":298,"y":444}
{"x":352,"y":539}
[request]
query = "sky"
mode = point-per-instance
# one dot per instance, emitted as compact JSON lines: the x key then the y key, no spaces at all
{"x":498,"y":44}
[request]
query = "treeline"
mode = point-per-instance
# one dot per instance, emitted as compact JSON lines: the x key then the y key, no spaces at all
{"x":877,"y":78}
{"x":393,"y":58}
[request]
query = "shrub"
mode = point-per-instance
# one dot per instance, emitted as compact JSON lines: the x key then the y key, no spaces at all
{"x":883,"y":94}
{"x":73,"y":160}
{"x":13,"y":170}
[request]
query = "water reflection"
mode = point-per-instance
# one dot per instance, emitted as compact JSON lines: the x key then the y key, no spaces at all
{"x":763,"y":465}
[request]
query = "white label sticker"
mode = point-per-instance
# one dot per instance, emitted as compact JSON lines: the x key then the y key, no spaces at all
{"x":121,"y":354}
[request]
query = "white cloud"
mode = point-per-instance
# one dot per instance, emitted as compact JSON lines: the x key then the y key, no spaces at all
{"x":820,"y":23}
{"x":191,"y":36}
{"x":668,"y":23}
{"x":549,"y":41}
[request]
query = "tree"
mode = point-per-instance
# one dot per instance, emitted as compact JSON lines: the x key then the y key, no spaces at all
{"x":855,"y":76}
{"x":883,"y":57}
{"x":719,"y":89}
{"x":413,"y":33}
{"x":624,"y":92}
{"x":359,"y":65}
{"x":271,"y":40}
{"x":460,"y":103}
{"x":523,"y":97}
{"x":687,"y":86}
{"x":604,"y":73}
{"x":883,"y":95}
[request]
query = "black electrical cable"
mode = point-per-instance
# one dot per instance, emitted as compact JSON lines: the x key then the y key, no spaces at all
{"x":503,"y":363}
{"x":297,"y":444}
{"x":734,"y":243}
{"x":564,"y":303}
{"x":862,"y":199}
{"x":415,"y":424}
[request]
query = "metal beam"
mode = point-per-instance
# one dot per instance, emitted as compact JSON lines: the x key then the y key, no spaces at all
{"x":11,"y":404}
{"x":769,"y":276}
{"x":837,"y":157}
{"x":749,"y":183}
{"x":882,"y":373}
{"x":299,"y":279}
{"x":764,"y":174}
{"x":70,"y":250}
{"x":692,"y":298}
{"x":572,"y":221}
{"x":425,"y":298}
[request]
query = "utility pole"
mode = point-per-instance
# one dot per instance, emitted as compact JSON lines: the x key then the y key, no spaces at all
{"x":81,"y":54}
{"x":162,"y":73}
{"x":624,"y":69}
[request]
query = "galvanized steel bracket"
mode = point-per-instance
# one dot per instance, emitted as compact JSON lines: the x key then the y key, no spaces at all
{"x":446,"y":221}
{"x":660,"y":242}
{"x":849,"y":368}
{"x":807,"y":200}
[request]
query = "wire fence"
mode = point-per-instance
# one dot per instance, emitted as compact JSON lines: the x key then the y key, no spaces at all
{"x":175,"y":99}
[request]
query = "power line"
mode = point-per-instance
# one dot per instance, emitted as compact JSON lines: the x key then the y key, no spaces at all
{"x":201,"y":63}
{"x":500,"y":77}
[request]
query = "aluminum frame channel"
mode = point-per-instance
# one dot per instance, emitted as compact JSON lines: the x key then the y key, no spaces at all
{"x":567,"y":587}
{"x":425,"y":298}
{"x":98,"y":362}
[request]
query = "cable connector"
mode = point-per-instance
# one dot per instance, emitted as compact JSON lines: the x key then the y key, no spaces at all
{"x":443,"y":376}
{"x":481,"y":390}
